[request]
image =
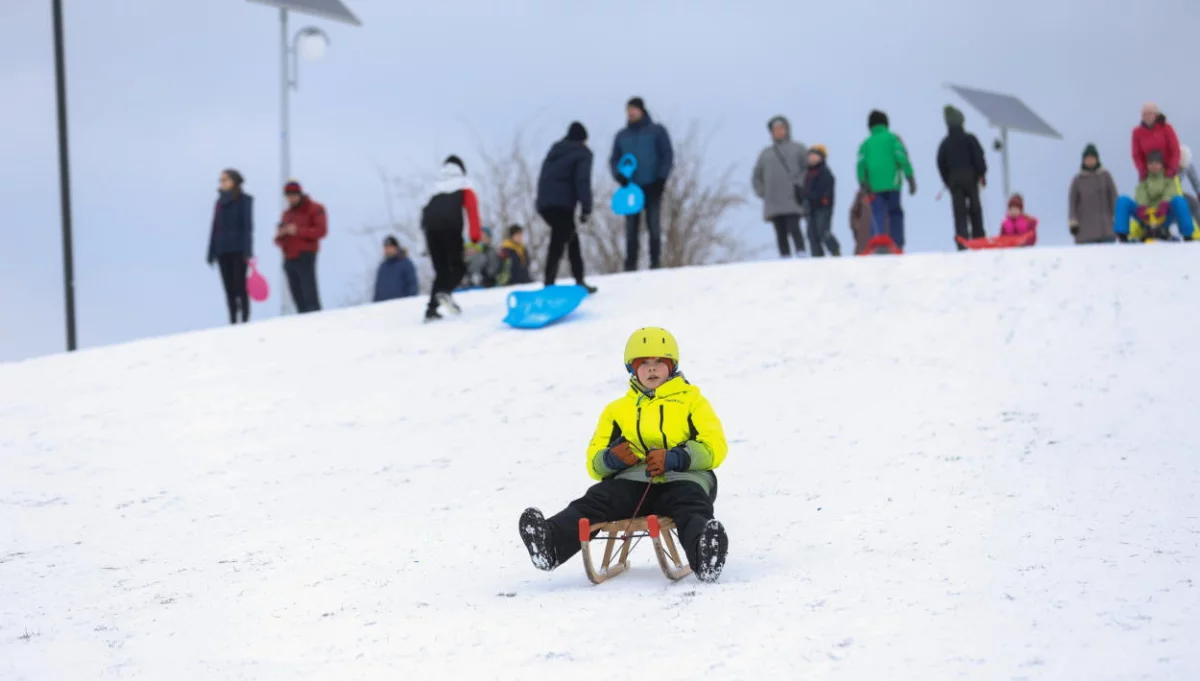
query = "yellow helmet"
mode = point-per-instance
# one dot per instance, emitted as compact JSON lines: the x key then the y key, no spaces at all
{"x":651,"y":341}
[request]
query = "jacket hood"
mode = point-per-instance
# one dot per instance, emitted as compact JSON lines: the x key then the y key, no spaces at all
{"x":451,"y":178}
{"x":786,"y":123}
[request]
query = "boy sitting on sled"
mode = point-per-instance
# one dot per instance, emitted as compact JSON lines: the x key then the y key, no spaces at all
{"x":1156,"y":204}
{"x":653,"y":452}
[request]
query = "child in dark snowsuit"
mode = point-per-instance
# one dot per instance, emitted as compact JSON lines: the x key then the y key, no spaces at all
{"x":653,"y":452}
{"x":818,"y":195}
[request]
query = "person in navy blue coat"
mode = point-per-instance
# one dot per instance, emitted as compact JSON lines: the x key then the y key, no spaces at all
{"x":231,"y":241}
{"x":818,"y":194}
{"x":565,"y":182}
{"x":651,"y":146}
{"x":397,"y":277}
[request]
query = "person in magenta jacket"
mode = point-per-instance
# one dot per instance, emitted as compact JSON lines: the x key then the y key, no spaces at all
{"x":1017,"y":223}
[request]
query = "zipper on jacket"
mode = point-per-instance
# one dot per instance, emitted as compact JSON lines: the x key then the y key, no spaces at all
{"x":661,"y":431}
{"x":645,"y":449}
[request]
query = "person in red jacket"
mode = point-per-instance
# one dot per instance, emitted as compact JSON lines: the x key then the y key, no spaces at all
{"x":300,"y":231}
{"x":452,"y":206}
{"x":1155,"y":134}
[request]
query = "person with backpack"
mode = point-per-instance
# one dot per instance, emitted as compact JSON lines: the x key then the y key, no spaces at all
{"x":778,"y":180}
{"x":453,"y":205}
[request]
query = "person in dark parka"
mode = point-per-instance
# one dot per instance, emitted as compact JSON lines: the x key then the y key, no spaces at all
{"x":397,"y":277}
{"x":651,"y":146}
{"x":565,"y":182}
{"x":231,"y":241}
{"x":818,"y":194}
{"x":963,"y":168}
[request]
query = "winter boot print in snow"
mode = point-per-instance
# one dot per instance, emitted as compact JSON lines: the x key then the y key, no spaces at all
{"x":535,"y":533}
{"x":447,"y":301}
{"x":714,"y":544}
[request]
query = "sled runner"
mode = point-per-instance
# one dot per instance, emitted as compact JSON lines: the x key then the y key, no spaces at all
{"x":661,"y":531}
{"x":1000,"y":241}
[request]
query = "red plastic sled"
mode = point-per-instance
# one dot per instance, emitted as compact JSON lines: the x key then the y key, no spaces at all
{"x":1001,"y":241}
{"x":881,"y":244}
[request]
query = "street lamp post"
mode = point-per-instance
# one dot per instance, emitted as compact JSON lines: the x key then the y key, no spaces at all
{"x":64,"y":176}
{"x":309,"y":42}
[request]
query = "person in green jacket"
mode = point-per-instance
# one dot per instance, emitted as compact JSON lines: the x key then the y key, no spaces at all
{"x":883,"y":166}
{"x":1155,"y":205}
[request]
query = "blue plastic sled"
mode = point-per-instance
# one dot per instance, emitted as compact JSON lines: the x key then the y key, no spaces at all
{"x":536,"y":309}
{"x":630,"y":199}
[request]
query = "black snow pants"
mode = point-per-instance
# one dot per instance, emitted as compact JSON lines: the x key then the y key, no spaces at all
{"x":685,"y":502}
{"x":563,"y":236}
{"x":445,"y":248}
{"x":785,"y":226}
{"x":302,"y":282}
{"x":964,"y":199}
{"x":233,"y":276}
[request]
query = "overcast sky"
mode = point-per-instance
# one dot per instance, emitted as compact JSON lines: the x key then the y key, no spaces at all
{"x":163,"y":95}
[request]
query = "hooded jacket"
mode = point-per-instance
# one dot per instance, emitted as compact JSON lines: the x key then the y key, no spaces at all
{"x":453,"y":197}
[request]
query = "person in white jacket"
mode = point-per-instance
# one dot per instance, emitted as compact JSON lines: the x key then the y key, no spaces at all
{"x":1186,"y":169}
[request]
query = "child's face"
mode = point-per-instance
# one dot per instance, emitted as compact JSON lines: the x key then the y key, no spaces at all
{"x":519,"y":238}
{"x":653,"y":372}
{"x":814,"y":159}
{"x":1014,"y":212}
{"x":1154,"y":167}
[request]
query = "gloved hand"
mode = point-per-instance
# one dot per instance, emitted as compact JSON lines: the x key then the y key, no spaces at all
{"x":620,"y":456}
{"x":912,"y":186}
{"x":623,"y":181}
{"x":659,"y":461}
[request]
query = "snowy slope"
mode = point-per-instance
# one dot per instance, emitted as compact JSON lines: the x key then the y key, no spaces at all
{"x":968,"y":466}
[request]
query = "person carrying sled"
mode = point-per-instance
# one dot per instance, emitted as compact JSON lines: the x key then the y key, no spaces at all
{"x":1156,"y":204}
{"x":1092,"y":200}
{"x":442,"y":222}
{"x":653,"y":452}
{"x":883,"y":166}
{"x":1017,"y":223}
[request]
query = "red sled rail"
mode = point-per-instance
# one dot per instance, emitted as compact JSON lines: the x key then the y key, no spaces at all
{"x":1001,"y":241}
{"x":881,"y":244}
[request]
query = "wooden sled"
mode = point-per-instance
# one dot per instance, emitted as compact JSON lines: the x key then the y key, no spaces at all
{"x":662,"y":533}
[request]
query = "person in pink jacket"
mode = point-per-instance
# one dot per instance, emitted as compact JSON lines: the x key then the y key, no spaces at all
{"x":1017,"y":223}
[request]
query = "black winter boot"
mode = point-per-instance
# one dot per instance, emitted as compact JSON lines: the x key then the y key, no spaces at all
{"x":714,"y":544}
{"x":535,"y":533}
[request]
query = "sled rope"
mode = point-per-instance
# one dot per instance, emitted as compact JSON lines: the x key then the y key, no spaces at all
{"x":625,"y":539}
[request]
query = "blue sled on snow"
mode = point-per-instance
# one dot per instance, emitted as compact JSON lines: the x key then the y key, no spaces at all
{"x":536,"y":309}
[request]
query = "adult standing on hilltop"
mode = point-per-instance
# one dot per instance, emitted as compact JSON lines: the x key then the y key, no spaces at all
{"x":231,"y":242}
{"x":299,"y":235}
{"x":778,"y":178}
{"x":650,"y":144}
{"x":1092,"y":201}
{"x":883,"y":165}
{"x":963,"y":168}
{"x":565,"y":182}
{"x":1154,"y":133}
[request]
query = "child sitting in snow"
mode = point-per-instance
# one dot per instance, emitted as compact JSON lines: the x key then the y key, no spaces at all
{"x":653,"y":452}
{"x":1017,"y":223}
{"x":1157,"y":204}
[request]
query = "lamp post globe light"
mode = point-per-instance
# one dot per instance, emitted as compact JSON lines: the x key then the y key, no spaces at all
{"x":309,"y":43}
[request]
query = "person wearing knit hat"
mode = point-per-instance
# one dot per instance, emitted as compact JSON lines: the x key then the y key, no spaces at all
{"x":1091,"y":200}
{"x":564,"y":184}
{"x":303,"y":225}
{"x":778,"y":179}
{"x":1156,"y":205}
{"x":963,"y":169}
{"x":883,"y":166}
{"x":231,"y":241}
{"x":1017,"y":223}
{"x":650,"y":145}
{"x":818,"y":198}
{"x":442,"y":221}
{"x":396,"y":277}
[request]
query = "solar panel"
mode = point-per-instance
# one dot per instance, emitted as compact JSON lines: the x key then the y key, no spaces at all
{"x":1006,"y":111}
{"x":328,"y":9}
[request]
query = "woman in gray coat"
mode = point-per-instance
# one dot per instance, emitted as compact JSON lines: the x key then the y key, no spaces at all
{"x":777,"y":176}
{"x":1093,"y":200}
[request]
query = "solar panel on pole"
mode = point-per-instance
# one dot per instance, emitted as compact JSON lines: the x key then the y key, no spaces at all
{"x":334,"y":10}
{"x":1005,"y":112}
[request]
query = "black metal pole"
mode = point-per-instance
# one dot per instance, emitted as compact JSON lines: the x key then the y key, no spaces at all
{"x":64,"y":175}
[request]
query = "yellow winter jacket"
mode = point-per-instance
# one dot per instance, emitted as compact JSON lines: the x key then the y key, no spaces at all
{"x":675,"y":415}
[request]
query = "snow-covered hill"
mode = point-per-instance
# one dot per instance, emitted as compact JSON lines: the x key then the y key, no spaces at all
{"x":968,"y":466}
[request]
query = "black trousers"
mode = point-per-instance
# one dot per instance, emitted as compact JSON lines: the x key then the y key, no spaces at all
{"x":445,"y":248}
{"x":820,"y":231}
{"x":684,"y":502}
{"x":233,"y":276}
{"x":563,"y":236}
{"x":785,"y":226}
{"x":964,"y":200}
{"x":302,"y":282}
{"x":653,"y":212}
